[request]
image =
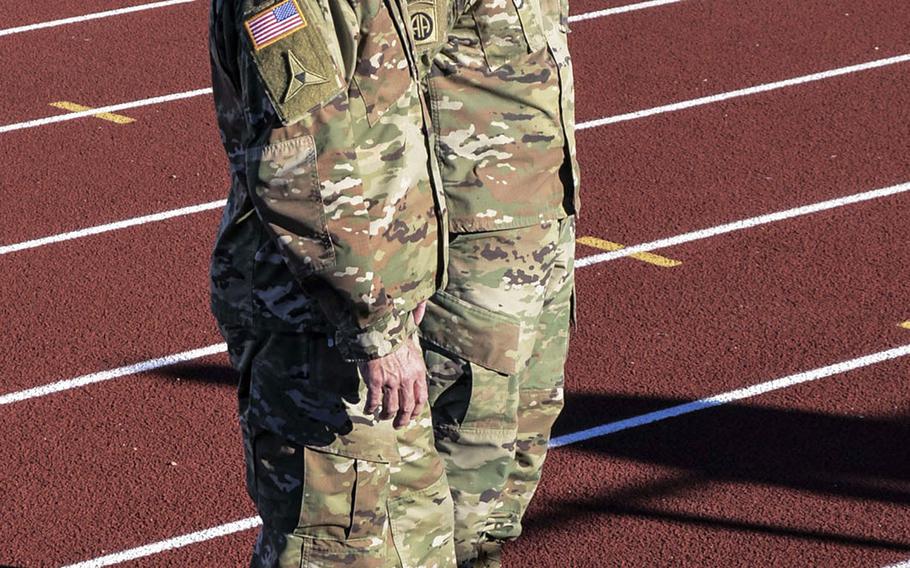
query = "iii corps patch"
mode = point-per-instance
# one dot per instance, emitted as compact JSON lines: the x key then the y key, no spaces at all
{"x":269,"y":26}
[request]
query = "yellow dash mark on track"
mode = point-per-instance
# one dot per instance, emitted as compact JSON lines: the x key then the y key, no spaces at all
{"x":119,"y":119}
{"x":643,"y":256}
{"x":905,"y":325}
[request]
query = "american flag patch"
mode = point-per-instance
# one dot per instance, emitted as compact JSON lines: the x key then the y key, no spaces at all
{"x":267,"y":27}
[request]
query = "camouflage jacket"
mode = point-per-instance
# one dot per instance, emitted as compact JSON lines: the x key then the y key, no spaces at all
{"x":332,"y":222}
{"x":502,"y":98}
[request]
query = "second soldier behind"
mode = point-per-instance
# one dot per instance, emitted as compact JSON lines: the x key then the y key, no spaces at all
{"x":496,"y":337}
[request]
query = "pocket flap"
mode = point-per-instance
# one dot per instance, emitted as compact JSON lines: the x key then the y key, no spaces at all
{"x":508,"y":30}
{"x":382,"y":75}
{"x":474,"y":333}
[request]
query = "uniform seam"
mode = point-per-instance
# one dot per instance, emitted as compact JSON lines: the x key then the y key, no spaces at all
{"x":459,"y":429}
{"x":459,"y":224}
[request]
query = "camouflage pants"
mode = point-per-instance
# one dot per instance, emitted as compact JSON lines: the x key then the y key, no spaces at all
{"x":333,"y":486}
{"x":495,"y":344}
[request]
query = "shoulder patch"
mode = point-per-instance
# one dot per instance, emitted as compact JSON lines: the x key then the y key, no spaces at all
{"x":289,"y":49}
{"x":300,"y":77}
{"x":425,"y":22}
{"x":279,"y":21}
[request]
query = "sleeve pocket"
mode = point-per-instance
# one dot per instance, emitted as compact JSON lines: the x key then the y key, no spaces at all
{"x":290,"y":197}
{"x":296,"y":68}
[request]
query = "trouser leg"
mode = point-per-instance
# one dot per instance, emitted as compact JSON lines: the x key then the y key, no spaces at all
{"x":493,"y":426}
{"x":540,"y":393}
{"x":474,"y":411}
{"x":420,"y":505}
{"x":334,"y":486}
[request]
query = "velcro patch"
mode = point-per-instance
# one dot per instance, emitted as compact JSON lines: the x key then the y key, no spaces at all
{"x":425,"y":22}
{"x":279,"y":21}
{"x":292,"y":57}
{"x":300,"y":77}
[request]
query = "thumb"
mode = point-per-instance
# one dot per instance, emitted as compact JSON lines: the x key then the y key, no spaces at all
{"x":419,"y":312}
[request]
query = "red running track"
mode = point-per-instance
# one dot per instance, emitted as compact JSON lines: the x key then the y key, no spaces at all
{"x":156,"y":164}
{"x":140,"y":425}
{"x":812,"y":475}
{"x":154,"y":150}
{"x":157,"y":273}
{"x":128,"y":57}
{"x":696,"y":48}
{"x":39,"y":11}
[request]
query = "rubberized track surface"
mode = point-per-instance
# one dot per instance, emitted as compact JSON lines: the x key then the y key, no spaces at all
{"x":812,"y":474}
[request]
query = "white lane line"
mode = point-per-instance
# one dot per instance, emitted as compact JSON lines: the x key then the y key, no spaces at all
{"x":580,"y":263}
{"x":604,"y":430}
{"x":590,"y":124}
{"x":166,"y":3}
{"x":904,"y":564}
{"x":581,"y":126}
{"x":94,"y":16}
{"x":107,"y":109}
{"x":744,"y":224}
{"x":170,"y":544}
{"x":97,"y":229}
{"x":732,"y":396}
{"x":620,"y":10}
{"x":102,"y":376}
{"x":746,"y":92}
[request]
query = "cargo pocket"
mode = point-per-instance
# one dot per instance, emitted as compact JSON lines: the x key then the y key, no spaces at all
{"x":473,"y":398}
{"x":335,"y":504}
{"x":473,"y":355}
{"x":508,"y":29}
{"x":382,"y":74}
{"x":473,"y":333}
{"x":288,"y":186}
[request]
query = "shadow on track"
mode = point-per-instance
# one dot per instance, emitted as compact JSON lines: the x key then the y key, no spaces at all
{"x":209,"y":373}
{"x":841,"y":456}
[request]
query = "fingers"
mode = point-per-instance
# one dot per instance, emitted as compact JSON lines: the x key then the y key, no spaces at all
{"x":397,"y":383}
{"x":414,"y":388}
{"x":372,"y":377}
{"x":420,"y":381}
{"x":389,"y":399}
{"x":419,"y":312}
{"x":420,"y":396}
{"x":374,"y":393}
{"x":406,"y":403}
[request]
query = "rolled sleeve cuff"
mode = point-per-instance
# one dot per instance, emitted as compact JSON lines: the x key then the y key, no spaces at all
{"x":380,"y":339}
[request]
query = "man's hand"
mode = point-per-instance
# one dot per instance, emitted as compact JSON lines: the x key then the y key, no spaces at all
{"x":398,"y":381}
{"x":419,"y":312}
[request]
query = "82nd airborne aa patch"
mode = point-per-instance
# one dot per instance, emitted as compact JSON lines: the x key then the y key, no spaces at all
{"x":424,"y":24}
{"x":269,"y":26}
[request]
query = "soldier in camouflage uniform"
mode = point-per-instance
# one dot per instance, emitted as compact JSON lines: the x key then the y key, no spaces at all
{"x":328,"y":245}
{"x":496,"y":338}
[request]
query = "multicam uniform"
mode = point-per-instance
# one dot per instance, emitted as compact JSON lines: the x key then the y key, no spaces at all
{"x":502,"y":105}
{"x":328,"y":242}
